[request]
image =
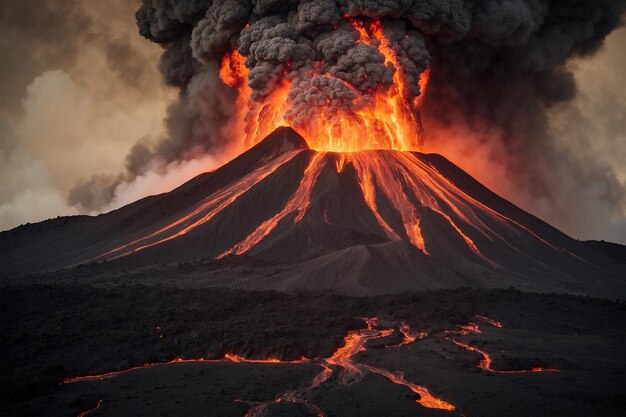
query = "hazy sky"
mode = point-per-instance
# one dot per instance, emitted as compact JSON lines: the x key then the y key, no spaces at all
{"x":79,"y":87}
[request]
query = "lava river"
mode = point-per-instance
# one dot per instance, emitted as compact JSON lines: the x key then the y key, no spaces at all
{"x":341,"y":365}
{"x":486,"y":361}
{"x":341,"y":368}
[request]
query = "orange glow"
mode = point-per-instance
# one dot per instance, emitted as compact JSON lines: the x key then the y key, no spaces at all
{"x":355,"y":342}
{"x":388,"y":121}
{"x":228,"y":357}
{"x":425,"y":398}
{"x":423,"y":83}
{"x":410,"y":335}
{"x":112,"y":374}
{"x":204,"y":212}
{"x":376,"y":165}
{"x":494,"y":323}
{"x":298,"y":203}
{"x":91,"y":410}
{"x":351,"y":371}
{"x":469,"y":328}
{"x":485,"y":362}
{"x":232,"y":70}
{"x":236,"y":358}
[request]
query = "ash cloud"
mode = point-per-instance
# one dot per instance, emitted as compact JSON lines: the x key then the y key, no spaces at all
{"x":499,"y":69}
{"x":500,"y":72}
{"x":77,"y":88}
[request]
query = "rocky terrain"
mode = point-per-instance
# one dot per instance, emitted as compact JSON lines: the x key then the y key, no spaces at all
{"x":55,"y":332}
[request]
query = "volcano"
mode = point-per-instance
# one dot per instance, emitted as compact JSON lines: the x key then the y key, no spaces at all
{"x":367,"y":222}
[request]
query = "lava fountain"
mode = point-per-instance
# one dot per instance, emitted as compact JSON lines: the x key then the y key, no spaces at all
{"x":375,"y":119}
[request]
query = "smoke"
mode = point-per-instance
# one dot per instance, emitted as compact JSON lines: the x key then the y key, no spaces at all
{"x":509,"y":113}
{"x":499,"y":76}
{"x":77,"y":88}
{"x":499,"y":102}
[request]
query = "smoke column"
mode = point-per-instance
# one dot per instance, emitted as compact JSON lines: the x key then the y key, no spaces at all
{"x":495,"y":68}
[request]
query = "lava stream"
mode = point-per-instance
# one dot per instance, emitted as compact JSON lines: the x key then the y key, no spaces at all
{"x":91,"y":410}
{"x":351,"y":371}
{"x":408,"y":335}
{"x":374,"y":165}
{"x":425,"y":397}
{"x":296,"y":396}
{"x":229,"y":357}
{"x":299,"y":203}
{"x":354,"y":343}
{"x":485,"y":362}
{"x":493,"y":322}
{"x":207,"y":209}
{"x":445,"y":181}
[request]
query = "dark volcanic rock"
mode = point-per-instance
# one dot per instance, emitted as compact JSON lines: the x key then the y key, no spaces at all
{"x":612,"y":250}
{"x":361,"y":223}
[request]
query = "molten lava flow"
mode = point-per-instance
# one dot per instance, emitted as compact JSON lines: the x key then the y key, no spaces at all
{"x":91,"y":410}
{"x":355,"y":342}
{"x":410,"y":335}
{"x":236,"y":358}
{"x":296,"y":396}
{"x":485,"y":362}
{"x":299,"y":203}
{"x":368,"y":189}
{"x":386,"y":120}
{"x":468,"y":328}
{"x":351,"y":371}
{"x":112,"y":374}
{"x":371,"y":166}
{"x":204,"y":212}
{"x":425,"y":397}
{"x":494,"y":323}
{"x":228,"y":357}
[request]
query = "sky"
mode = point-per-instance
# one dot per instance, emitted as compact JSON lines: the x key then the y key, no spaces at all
{"x":79,"y":88}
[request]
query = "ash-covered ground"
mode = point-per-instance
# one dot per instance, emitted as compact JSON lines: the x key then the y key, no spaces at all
{"x":60,"y":329}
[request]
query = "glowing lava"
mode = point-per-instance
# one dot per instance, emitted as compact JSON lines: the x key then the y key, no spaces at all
{"x":202,"y":213}
{"x":408,"y":335}
{"x":228,"y":357}
{"x":298,"y":203}
{"x":486,"y":361}
{"x":351,"y":372}
{"x":494,"y":323}
{"x":425,"y":398}
{"x":354,"y":343}
{"x":398,"y":188}
{"x":387,"y":120}
{"x":91,"y":410}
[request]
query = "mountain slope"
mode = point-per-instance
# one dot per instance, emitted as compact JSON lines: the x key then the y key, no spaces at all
{"x":362,"y":222}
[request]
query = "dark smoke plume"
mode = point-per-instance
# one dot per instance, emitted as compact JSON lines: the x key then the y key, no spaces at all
{"x":488,"y":57}
{"x":495,"y":63}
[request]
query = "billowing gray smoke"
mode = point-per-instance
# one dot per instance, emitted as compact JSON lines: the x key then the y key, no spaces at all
{"x":496,"y":63}
{"x":481,"y":51}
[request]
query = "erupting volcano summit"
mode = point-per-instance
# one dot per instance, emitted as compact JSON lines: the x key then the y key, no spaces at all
{"x":363,"y":222}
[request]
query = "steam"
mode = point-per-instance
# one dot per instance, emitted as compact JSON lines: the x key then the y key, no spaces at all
{"x":75,"y":94}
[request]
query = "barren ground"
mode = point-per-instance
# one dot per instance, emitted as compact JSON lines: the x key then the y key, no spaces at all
{"x":56,"y":331}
